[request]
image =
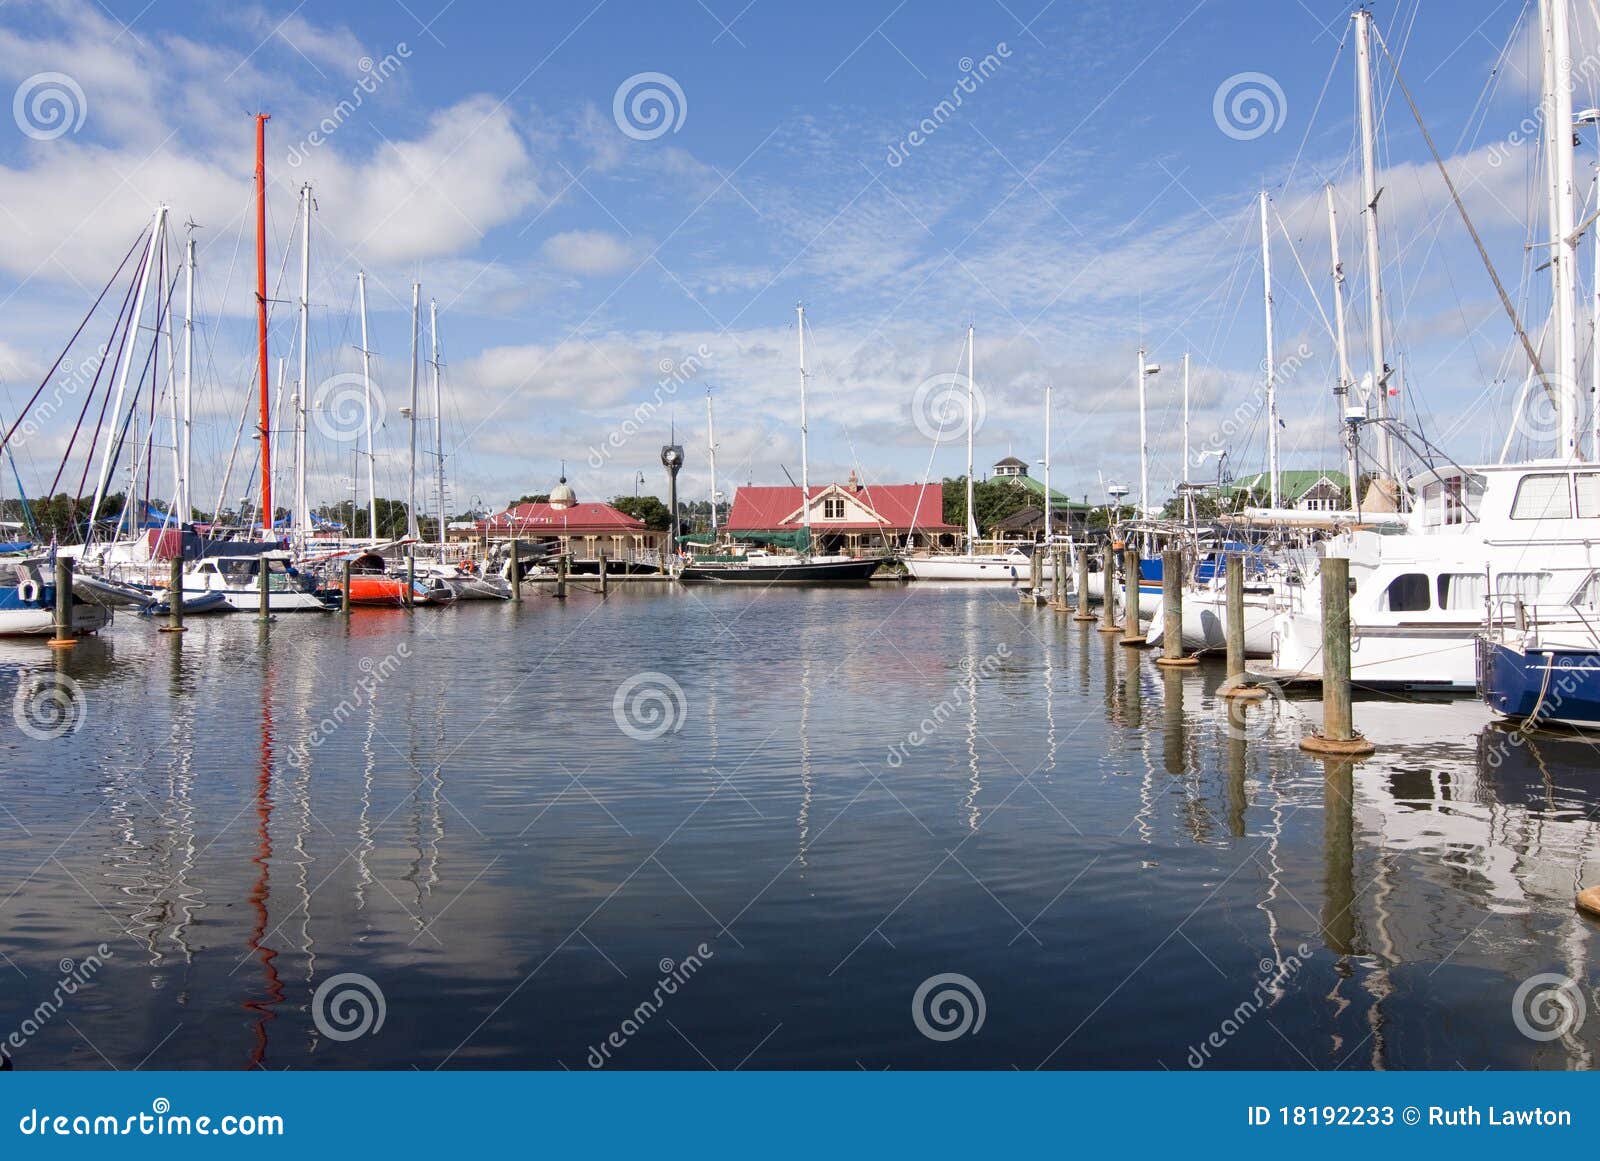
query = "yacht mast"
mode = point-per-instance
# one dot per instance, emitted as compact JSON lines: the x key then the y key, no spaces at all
{"x":972,"y":516}
{"x":185,"y":511}
{"x":366,"y":397}
{"x":1369,"y":195}
{"x":1188,"y":498}
{"x":157,"y":235}
{"x":1047,"y":512}
{"x":805,"y":467}
{"x":1272,"y":365}
{"x":1557,"y":106}
{"x":411,"y":418}
{"x":1342,"y":391}
{"x":302,"y":518}
{"x":711,"y":457}
{"x":438,"y":412}
{"x":264,"y":432}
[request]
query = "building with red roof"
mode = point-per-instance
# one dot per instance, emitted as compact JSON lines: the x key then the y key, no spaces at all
{"x":847,"y":517}
{"x":584,"y":530}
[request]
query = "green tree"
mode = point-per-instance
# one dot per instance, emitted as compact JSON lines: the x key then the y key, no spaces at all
{"x":650,"y":509}
{"x":993,"y":501}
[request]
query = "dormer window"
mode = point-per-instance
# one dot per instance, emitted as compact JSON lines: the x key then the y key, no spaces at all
{"x":833,"y":508}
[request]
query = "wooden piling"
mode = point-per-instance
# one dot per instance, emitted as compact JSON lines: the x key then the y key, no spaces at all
{"x":1108,"y":602}
{"x":344,"y":589}
{"x":411,"y":581}
{"x":1237,"y":684}
{"x":516,"y":573}
{"x":561,"y":577}
{"x":1035,"y":572}
{"x":1131,"y":636}
{"x":1338,"y":736}
{"x":605,"y":579}
{"x":1172,"y":651}
{"x":1083,"y":613}
{"x":63,"y":638}
{"x":175,"y":598}
{"x":263,"y":590}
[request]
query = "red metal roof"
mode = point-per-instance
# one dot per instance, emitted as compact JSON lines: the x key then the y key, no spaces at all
{"x":902,"y":507}
{"x":578,"y":520}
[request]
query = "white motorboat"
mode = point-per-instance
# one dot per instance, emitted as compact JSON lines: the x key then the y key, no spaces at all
{"x":1478,"y":537}
{"x":238,"y":579}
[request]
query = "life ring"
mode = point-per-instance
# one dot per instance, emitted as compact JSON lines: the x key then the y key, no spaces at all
{"x":28,"y":592}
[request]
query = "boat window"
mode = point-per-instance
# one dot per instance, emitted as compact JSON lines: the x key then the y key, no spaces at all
{"x":1587,"y":597}
{"x":1542,"y":497}
{"x":1588,"y":485}
{"x":1462,"y":591}
{"x":1525,"y":586}
{"x":1407,"y":593}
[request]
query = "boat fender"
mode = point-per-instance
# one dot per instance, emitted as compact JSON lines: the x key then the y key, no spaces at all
{"x":28,"y":592}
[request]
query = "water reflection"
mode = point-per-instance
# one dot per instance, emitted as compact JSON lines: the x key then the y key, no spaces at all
{"x":1093,"y":825}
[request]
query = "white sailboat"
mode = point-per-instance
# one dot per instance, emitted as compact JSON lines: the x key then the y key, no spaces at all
{"x":1010,"y":567}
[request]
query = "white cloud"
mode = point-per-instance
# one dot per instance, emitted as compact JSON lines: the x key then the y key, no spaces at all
{"x":590,"y":252}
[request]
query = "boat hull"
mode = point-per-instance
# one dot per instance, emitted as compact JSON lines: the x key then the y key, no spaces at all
{"x":813,"y":572}
{"x":1545,"y":686}
{"x":1010,"y":568}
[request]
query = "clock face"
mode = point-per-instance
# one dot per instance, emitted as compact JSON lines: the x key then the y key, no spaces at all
{"x":672,"y":456}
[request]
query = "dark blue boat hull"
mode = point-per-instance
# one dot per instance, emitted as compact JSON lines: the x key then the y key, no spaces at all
{"x":1561,"y":687}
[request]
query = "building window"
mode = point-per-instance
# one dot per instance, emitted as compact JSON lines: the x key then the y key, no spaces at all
{"x":833,"y":508}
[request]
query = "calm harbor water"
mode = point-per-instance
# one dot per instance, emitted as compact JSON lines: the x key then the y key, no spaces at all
{"x":715,"y":828}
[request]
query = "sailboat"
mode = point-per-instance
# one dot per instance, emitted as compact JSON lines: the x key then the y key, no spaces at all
{"x":758,"y":567}
{"x":1010,"y":567}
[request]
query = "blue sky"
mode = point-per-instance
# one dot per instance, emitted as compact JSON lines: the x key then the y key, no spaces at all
{"x":1083,"y":195}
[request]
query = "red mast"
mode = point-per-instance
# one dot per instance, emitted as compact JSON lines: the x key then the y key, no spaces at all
{"x":261,"y":319}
